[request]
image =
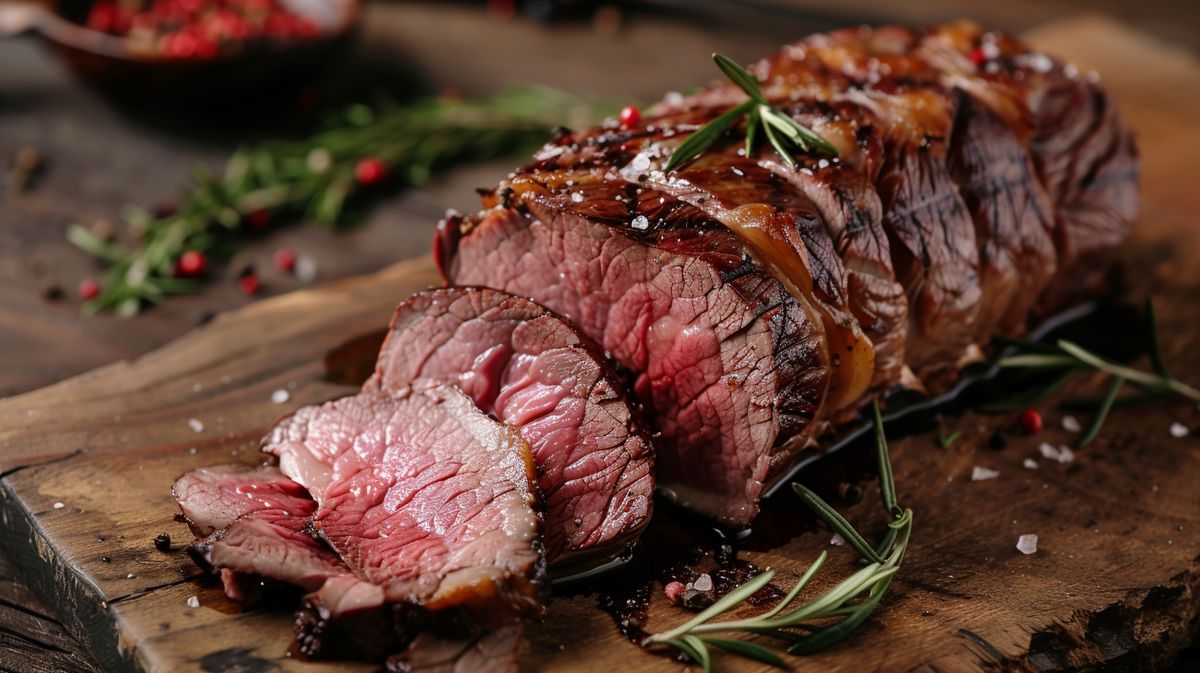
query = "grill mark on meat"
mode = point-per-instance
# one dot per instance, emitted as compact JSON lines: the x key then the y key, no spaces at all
{"x":507,"y":353}
{"x":614,"y":287}
{"x":964,"y":223}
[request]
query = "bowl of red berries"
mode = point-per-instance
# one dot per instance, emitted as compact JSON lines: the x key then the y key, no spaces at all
{"x":188,"y":50}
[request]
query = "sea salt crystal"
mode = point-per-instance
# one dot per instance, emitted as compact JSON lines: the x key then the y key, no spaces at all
{"x":1027,"y":544}
{"x":823,"y":163}
{"x":1060,"y":454}
{"x":280,"y":396}
{"x":306,"y":269}
{"x":130,"y":576}
{"x":1030,"y":464}
{"x":640,"y":222}
{"x":577,"y":197}
{"x":1178,"y":430}
{"x":192,"y":450}
{"x":640,"y":163}
{"x":703,"y":583}
{"x":1071,"y":424}
{"x":673,"y":98}
{"x":983,"y":474}
{"x":195,"y":425}
{"x":837,"y":540}
{"x":59,"y":505}
{"x":196,"y":387}
{"x":193,"y":601}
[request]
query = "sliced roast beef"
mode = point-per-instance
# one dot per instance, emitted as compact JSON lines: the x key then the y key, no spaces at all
{"x":746,"y":295}
{"x":254,"y":527}
{"x":430,"y":503}
{"x":730,"y":363}
{"x":212,"y":498}
{"x":532,"y":369}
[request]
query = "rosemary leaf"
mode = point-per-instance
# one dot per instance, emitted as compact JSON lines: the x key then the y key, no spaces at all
{"x":832,"y":635}
{"x":887,"y":481}
{"x":753,"y":120}
{"x":738,"y":75}
{"x":779,"y":128}
{"x":812,"y":571}
{"x":696,"y":655}
{"x":701,"y":651}
{"x":708,"y":134}
{"x":778,"y":143}
{"x":837,"y":522}
{"x":809,"y":139}
{"x":1102,"y":413}
{"x":725,"y":604}
{"x":1155,"y":348}
{"x":947,"y":441}
{"x":1037,"y":360}
{"x":94,"y":245}
{"x":749,"y":650}
{"x":1153,"y":381}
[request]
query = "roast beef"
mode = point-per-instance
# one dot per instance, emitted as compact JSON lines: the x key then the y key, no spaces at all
{"x":755,"y":303}
{"x":431,"y":504}
{"x":253,"y":523}
{"x":212,"y":498}
{"x":532,"y":369}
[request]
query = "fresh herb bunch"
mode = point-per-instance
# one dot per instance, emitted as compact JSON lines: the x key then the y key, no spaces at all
{"x":847,"y":605}
{"x":1066,"y":360}
{"x":785,"y":134}
{"x":313,"y":178}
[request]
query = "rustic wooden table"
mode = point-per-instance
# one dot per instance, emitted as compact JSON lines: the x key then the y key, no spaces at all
{"x":98,"y":159}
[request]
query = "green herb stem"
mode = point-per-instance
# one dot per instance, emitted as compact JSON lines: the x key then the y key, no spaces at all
{"x":314,"y":178}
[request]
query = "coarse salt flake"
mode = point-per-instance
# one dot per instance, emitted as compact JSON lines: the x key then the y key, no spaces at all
{"x":1060,"y":454}
{"x":1027,"y":544}
{"x":1071,"y":424}
{"x":837,"y":540}
{"x":640,"y":222}
{"x":306,"y":269}
{"x":703,"y":583}
{"x":1178,"y":430}
{"x":983,"y":473}
{"x":280,"y":396}
{"x":193,"y":601}
{"x":1030,"y":464}
{"x":640,"y":163}
{"x":195,"y":425}
{"x":576,"y":197}
{"x":59,"y":505}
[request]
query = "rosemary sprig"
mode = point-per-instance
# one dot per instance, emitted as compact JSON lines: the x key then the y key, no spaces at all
{"x":848,"y":604}
{"x":314,"y":178}
{"x":1067,"y":360}
{"x":785,"y":134}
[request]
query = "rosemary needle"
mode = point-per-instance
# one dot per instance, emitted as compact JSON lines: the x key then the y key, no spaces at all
{"x":1069,"y":359}
{"x":785,"y":134}
{"x":847,"y":604}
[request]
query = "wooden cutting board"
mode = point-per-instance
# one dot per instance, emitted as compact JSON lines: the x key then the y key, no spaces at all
{"x":87,"y":466}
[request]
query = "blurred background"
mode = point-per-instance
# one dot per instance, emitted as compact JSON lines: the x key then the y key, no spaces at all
{"x":110,"y":104}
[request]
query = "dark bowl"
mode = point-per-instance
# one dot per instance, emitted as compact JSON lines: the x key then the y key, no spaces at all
{"x":259,"y":69}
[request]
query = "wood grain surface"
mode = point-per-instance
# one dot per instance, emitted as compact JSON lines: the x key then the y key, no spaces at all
{"x":88,"y":463}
